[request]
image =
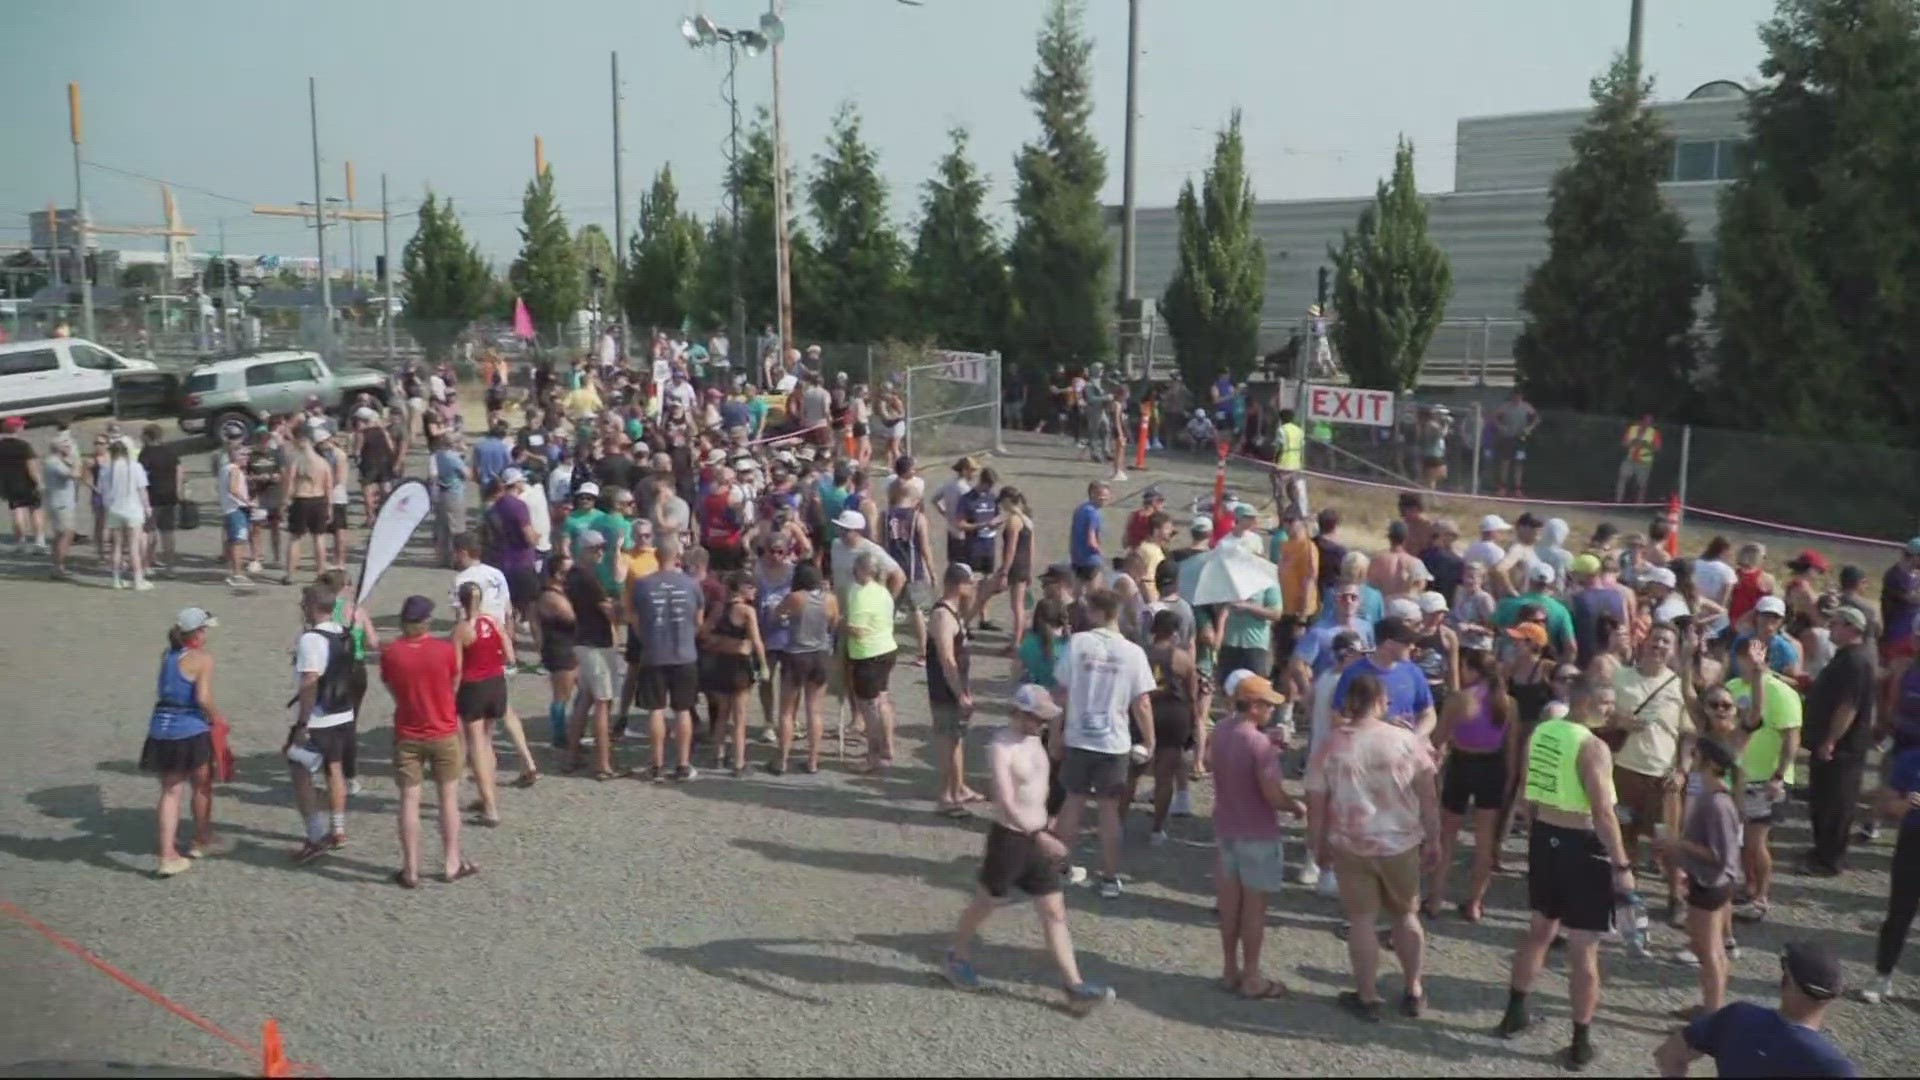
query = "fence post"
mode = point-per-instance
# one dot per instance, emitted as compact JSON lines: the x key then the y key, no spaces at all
{"x":999,"y":390}
{"x":907,"y":375}
{"x":1479,"y":433}
{"x":1486,"y":346}
{"x":1686,"y":461}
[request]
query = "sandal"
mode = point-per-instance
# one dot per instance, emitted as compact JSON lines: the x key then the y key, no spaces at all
{"x":604,"y":775}
{"x":1272,"y":991}
{"x":953,"y":810}
{"x":1472,"y":911}
{"x":401,"y":879}
{"x":466,"y":870}
{"x":526,"y":779}
{"x":1369,"y":1011}
{"x":484,"y":822}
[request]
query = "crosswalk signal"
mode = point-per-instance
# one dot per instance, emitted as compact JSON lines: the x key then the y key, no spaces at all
{"x":380,"y":268}
{"x":1325,"y":290}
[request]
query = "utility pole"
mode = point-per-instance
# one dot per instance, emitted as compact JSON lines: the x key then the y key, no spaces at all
{"x":739,"y":314}
{"x":1635,"y":20}
{"x":353,"y":241}
{"x":320,"y":221}
{"x":386,"y":260}
{"x":1130,"y":332}
{"x":782,"y":249}
{"x":79,"y":217}
{"x":619,"y":207}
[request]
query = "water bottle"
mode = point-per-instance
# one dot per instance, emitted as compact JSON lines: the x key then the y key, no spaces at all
{"x":1630,"y":913}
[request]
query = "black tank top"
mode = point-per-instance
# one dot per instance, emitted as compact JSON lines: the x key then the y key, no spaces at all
{"x":1169,"y":698}
{"x":1530,"y":699}
{"x":557,"y":637}
{"x":937,"y":687}
{"x":726,"y":627}
{"x":376,"y":446}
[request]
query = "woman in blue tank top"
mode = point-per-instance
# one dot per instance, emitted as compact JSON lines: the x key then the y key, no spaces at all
{"x":179,"y":747}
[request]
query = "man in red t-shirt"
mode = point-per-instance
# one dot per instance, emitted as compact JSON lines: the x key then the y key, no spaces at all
{"x":1139,"y":522}
{"x":421,"y":672}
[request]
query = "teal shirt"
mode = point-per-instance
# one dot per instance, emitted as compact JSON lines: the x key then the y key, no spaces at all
{"x":757,"y":409}
{"x":1249,"y":631}
{"x":1559,"y":619}
{"x":618,"y":529}
{"x":1039,"y":670}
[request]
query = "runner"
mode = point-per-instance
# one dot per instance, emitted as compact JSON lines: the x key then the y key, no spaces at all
{"x":1481,"y":744}
{"x":486,"y":652}
{"x":732,"y":635}
{"x":871,"y":648}
{"x":420,"y":671}
{"x":1015,"y":572}
{"x":337,"y":495}
{"x":1108,"y":680}
{"x":494,"y":591}
{"x":236,"y":515}
{"x":811,"y":614}
{"x":666,"y":609}
{"x":1024,"y":850}
{"x":1708,"y":850}
{"x":180,"y":741}
{"x":594,"y":616}
{"x":1248,"y":799}
{"x":166,"y":488}
{"x":362,"y":639}
{"x":1177,"y":690}
{"x":909,"y":546}
{"x":308,"y":484}
{"x":1576,"y":865}
{"x":558,"y":638}
{"x":323,"y":735}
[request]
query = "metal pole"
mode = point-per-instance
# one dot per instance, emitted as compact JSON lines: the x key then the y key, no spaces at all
{"x":353,"y":244}
{"x":782,"y":249}
{"x":1479,"y":435}
{"x":739,"y":319}
{"x":619,"y":206}
{"x":907,"y":375}
{"x":1686,"y":460}
{"x":1486,"y":346}
{"x":320,"y":222}
{"x":1635,"y":20}
{"x":999,"y":389}
{"x":80,"y":232}
{"x":386,"y":256}
{"x":1127,"y":205}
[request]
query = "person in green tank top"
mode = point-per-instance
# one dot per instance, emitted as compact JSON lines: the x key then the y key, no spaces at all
{"x":1577,"y":864}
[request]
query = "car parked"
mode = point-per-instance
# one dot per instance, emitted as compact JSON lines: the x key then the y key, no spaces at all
{"x":232,"y":395}
{"x":60,"y":378}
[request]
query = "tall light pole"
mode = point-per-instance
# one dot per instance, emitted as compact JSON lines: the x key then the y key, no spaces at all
{"x":320,"y":222}
{"x":619,"y":204}
{"x":386,"y":266}
{"x":1130,"y":332}
{"x":80,"y":233}
{"x":782,"y":252}
{"x":701,"y":32}
{"x":1636,"y":19}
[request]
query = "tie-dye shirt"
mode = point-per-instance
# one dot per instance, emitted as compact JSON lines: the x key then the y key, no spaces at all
{"x":1368,"y":772}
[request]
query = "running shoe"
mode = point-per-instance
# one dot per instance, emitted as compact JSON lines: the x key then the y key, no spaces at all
{"x":1877,"y":991}
{"x":1110,"y":888}
{"x":174,"y":867}
{"x":1073,"y":874}
{"x":1181,"y":804}
{"x":1157,"y":837}
{"x":143,"y":585}
{"x":1087,"y":997}
{"x":959,"y":971}
{"x":1308,"y":874}
{"x":684,"y":773}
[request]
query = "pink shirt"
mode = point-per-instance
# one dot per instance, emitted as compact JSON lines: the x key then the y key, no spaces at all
{"x":1241,"y":756}
{"x":1367,"y":772}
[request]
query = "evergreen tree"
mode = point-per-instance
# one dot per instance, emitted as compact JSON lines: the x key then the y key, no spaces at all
{"x":443,"y":279}
{"x":663,"y":260}
{"x":1212,"y":305}
{"x":754,"y":170}
{"x":1609,"y":314}
{"x":858,"y":280}
{"x":595,"y":251}
{"x":958,"y":270}
{"x":1059,"y":256}
{"x":547,"y":275}
{"x":1390,"y":285}
{"x":1820,"y":231}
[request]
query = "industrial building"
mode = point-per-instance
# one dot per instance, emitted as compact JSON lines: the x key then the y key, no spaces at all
{"x":1492,"y":225}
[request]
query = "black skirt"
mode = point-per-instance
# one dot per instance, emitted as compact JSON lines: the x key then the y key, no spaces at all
{"x":177,"y":755}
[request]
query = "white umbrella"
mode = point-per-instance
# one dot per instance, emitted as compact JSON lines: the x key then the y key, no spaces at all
{"x":1227,"y":574}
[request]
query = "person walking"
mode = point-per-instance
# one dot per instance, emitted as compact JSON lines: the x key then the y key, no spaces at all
{"x":1480,"y":743}
{"x":1024,"y":850}
{"x":1375,"y":818}
{"x":323,"y":736}
{"x":666,"y":608}
{"x":308,"y":483}
{"x":950,"y":687}
{"x":1708,"y":850}
{"x":1838,"y":731}
{"x":1577,"y":864}
{"x":1108,"y":681}
{"x":1248,"y":799}
{"x":420,"y":672}
{"x":180,"y":743}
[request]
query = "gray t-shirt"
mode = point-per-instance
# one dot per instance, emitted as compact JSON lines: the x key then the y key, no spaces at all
{"x":62,"y":491}
{"x":1713,"y":821}
{"x":666,"y":606}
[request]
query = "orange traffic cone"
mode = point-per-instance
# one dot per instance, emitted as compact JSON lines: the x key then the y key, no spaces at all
{"x":273,"y":1059}
{"x":1673,"y":526}
{"x":1140,"y":444}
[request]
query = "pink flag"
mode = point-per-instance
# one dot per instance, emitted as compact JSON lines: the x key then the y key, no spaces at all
{"x":522,"y":322}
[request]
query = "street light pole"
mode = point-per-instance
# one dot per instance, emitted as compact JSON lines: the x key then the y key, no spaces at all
{"x":320,"y":221}
{"x":619,"y":205}
{"x":386,"y":259}
{"x":1636,"y":19}
{"x":738,"y":242}
{"x":80,"y":232}
{"x":782,"y":254}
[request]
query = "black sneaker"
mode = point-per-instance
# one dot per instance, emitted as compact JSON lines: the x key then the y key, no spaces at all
{"x":1363,"y":1010}
{"x":1577,"y":1056}
{"x":684,"y":773}
{"x":1513,"y":1023}
{"x":739,"y":772}
{"x":654,"y":774}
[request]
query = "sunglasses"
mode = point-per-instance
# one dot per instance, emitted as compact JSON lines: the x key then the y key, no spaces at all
{"x":1722,"y":704}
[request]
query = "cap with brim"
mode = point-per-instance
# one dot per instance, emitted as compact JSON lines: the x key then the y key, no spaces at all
{"x":1530,"y":632}
{"x":588,"y":489}
{"x":511,"y":476}
{"x":1494,"y":523}
{"x":1808,"y":560}
{"x":851,"y":520}
{"x":593,"y":538}
{"x":1542,"y":574}
{"x":1814,"y":969}
{"x":1432,"y":603}
{"x":1476,"y":641}
{"x":1035,"y":701}
{"x":1771,"y":605}
{"x":14,"y":423}
{"x":1233,"y":680}
{"x":1586,"y":563}
{"x":1202,"y":526}
{"x":416,"y":609}
{"x":1257,"y":688}
{"x":1658,"y":575}
{"x":1850,"y":615}
{"x":1346,"y":641}
{"x":194,"y":618}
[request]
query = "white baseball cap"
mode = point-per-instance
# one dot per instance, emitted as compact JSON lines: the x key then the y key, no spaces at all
{"x":1035,"y":701}
{"x":1233,"y":681}
{"x":1402,"y":608}
{"x":1660,"y":575}
{"x":1770,"y":605}
{"x":1494,"y":523}
{"x":588,"y":488}
{"x":1543,"y":573}
{"x":511,"y":476}
{"x":852,"y":521}
{"x":194,"y":618}
{"x":1432,"y":603}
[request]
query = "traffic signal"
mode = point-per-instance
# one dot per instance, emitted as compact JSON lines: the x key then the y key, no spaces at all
{"x":93,"y":268}
{"x":233,"y":272}
{"x":1326,"y":283}
{"x":380,"y":268}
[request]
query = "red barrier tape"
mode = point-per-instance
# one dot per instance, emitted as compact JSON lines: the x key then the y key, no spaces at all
{"x":138,"y":987}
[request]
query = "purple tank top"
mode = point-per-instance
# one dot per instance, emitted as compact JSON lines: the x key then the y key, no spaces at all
{"x":1478,"y":734}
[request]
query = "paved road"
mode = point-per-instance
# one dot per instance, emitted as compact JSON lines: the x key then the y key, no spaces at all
{"x":739,"y":927}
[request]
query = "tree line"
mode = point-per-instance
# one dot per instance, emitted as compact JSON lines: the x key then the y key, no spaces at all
{"x":1801,"y":323}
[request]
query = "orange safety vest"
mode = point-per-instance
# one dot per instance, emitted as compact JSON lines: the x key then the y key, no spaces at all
{"x":1642,"y":440}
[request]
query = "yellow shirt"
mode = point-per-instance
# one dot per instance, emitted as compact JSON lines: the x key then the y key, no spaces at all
{"x":1292,"y":448}
{"x":584,"y":401}
{"x":637,"y":564}
{"x":1154,"y":555}
{"x":870,"y":621}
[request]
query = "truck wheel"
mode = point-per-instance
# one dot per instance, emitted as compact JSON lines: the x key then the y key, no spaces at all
{"x":226,"y":423}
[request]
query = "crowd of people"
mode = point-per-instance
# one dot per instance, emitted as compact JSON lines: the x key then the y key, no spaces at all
{"x":684,"y":548}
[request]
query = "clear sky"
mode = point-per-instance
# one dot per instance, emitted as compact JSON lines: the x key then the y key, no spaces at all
{"x":212,"y":94}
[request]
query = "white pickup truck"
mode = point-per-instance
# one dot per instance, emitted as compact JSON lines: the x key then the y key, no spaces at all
{"x":60,"y":378}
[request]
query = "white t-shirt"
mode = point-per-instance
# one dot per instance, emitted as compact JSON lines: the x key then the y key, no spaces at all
{"x":681,"y":394}
{"x":559,"y":483}
{"x":1715,"y":581}
{"x":540,"y":517}
{"x":310,"y":657}
{"x":121,"y":482}
{"x":493,"y":590}
{"x":946,"y":498}
{"x":843,"y":555}
{"x":1104,"y":673}
{"x":1485,"y":552}
{"x":436,"y":388}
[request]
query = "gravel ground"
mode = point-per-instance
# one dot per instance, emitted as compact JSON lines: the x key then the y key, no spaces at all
{"x":743,"y":927}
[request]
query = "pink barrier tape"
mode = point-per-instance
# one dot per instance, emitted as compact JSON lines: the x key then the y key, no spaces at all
{"x":1776,"y":526}
{"x":785,"y":435}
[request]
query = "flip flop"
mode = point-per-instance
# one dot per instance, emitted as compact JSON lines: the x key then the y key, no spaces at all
{"x":604,"y":775}
{"x":526,"y":779}
{"x":401,"y":879}
{"x":974,"y":797}
{"x":953,"y":810}
{"x":466,"y":870}
{"x":1272,"y":991}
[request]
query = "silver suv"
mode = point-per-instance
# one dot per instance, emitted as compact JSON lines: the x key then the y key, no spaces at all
{"x":231,"y":396}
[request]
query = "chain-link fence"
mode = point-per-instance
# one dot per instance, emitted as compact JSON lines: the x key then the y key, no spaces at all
{"x":954,"y":405}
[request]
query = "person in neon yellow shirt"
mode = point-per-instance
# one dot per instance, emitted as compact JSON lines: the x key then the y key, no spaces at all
{"x":1290,"y":462}
{"x":1766,"y":766}
{"x":870,"y":651}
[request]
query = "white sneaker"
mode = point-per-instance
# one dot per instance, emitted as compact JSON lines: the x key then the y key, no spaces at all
{"x":143,"y":585}
{"x":240,"y":581}
{"x":1181,"y":805}
{"x":1328,"y":886}
{"x":1156,"y":837}
{"x":1877,"y":991}
{"x":1073,"y":874}
{"x":1118,"y":477}
{"x":770,"y":736}
{"x":1308,"y":874}
{"x":254,"y":567}
{"x":119,"y":583}
{"x":353,"y":786}
{"x":40,"y":547}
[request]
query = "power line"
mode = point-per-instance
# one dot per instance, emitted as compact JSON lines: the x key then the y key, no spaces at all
{"x":171,"y":183}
